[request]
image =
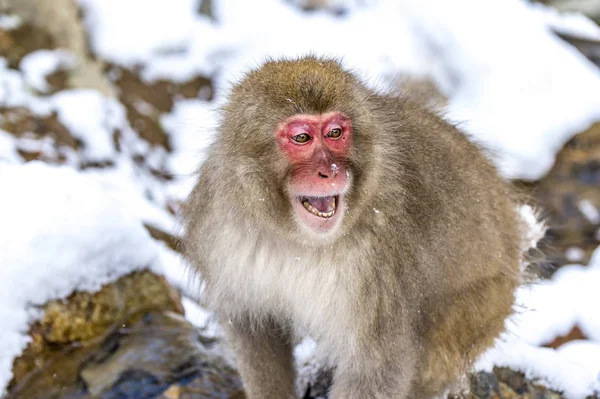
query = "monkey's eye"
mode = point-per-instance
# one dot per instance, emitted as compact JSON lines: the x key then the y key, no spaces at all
{"x":335,"y":133}
{"x":301,"y":138}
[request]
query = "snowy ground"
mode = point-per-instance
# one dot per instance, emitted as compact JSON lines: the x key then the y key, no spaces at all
{"x":510,"y":83}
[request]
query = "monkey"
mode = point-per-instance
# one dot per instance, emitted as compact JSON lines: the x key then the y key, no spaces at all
{"x":359,"y":218}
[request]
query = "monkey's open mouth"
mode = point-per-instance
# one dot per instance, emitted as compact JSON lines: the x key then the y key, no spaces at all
{"x":323,"y":207}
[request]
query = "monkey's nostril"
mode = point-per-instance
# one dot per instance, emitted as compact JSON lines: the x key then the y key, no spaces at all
{"x":323,"y":176}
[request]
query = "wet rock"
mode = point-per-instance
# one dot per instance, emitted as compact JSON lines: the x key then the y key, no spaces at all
{"x":83,"y":319}
{"x":319,"y":384}
{"x":502,"y":383}
{"x":150,"y":355}
{"x":505,"y":383}
{"x":570,"y":198}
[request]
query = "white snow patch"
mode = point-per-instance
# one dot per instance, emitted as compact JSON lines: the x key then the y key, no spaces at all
{"x":506,"y":95}
{"x":125,"y":181}
{"x":574,"y":254}
{"x":191,"y":126}
{"x":10,"y":22}
{"x":61,"y":231}
{"x":13,"y":91}
{"x":584,"y":353}
{"x":41,"y":63}
{"x":91,"y":117}
{"x":168,"y":36}
{"x":535,"y":228}
{"x":8,"y":149}
{"x":589,"y":211}
{"x":201,"y":318}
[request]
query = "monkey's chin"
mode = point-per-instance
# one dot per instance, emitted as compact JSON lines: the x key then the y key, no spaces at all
{"x":320,"y":220}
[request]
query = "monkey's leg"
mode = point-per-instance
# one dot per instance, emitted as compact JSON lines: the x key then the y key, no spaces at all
{"x":374,"y":381}
{"x":265,"y":360}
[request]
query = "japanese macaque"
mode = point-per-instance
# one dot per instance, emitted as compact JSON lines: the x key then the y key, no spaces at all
{"x":360,"y":219}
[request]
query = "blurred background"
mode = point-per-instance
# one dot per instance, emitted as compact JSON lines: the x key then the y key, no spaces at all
{"x":107,"y":106}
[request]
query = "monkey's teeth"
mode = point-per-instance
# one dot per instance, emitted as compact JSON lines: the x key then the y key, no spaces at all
{"x":316,"y":212}
{"x":333,"y":203}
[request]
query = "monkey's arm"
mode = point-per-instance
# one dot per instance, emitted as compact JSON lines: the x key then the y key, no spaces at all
{"x":264,"y":358}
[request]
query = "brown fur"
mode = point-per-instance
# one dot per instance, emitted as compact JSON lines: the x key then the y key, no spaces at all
{"x":417,"y":282}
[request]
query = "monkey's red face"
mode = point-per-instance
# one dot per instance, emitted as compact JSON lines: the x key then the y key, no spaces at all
{"x":316,"y":147}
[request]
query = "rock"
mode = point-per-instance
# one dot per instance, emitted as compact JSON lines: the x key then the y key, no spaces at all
{"x":335,"y":7}
{"x":588,"y":47}
{"x":574,"y":335}
{"x":147,"y":101}
{"x":24,"y":39}
{"x":590,"y":8}
{"x":83,"y":319}
{"x":61,"y":20}
{"x":42,"y":138}
{"x":158,"y":234}
{"x":502,"y":383}
{"x":127,"y":341}
{"x":168,"y":349}
{"x":570,"y":198}
{"x":151,"y":355}
{"x":505,"y":383}
{"x":206,"y":8}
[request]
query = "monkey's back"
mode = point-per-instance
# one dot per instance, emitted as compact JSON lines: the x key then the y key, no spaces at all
{"x":457,"y":236}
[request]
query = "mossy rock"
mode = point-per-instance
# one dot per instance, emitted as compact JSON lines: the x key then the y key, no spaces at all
{"x":84,"y":319}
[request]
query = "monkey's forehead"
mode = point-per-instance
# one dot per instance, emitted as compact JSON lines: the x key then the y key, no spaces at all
{"x":307,"y":84}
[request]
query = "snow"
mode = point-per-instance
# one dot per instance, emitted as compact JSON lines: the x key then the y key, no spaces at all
{"x":515,"y":87}
{"x":480,"y":63}
{"x":574,"y":254}
{"x":8,"y":150}
{"x":201,"y":318}
{"x":191,"y":125}
{"x":13,"y":91}
{"x":167,"y":30}
{"x":547,"y":310}
{"x":87,"y":114}
{"x":39,"y":64}
{"x":584,"y":353}
{"x":589,"y":211}
{"x":91,"y":117}
{"x":535,"y":229}
{"x":9,"y":22}
{"x":554,"y":369}
{"x":60,"y":231}
{"x":571,"y":23}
